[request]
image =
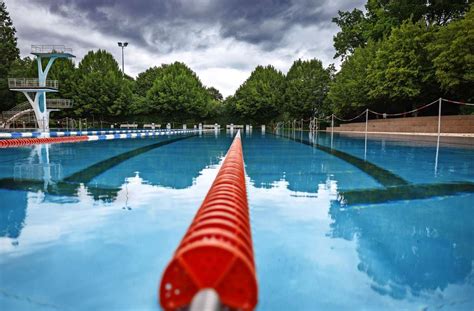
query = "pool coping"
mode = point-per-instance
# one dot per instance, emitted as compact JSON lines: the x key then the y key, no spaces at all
{"x":405,"y":133}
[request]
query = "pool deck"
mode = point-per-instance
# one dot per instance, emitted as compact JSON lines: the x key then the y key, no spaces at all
{"x":406,"y":133}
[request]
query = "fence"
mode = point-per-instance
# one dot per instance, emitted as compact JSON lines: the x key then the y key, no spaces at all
{"x":313,"y":122}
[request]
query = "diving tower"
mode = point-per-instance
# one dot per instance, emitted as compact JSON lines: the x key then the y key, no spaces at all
{"x":35,"y":89}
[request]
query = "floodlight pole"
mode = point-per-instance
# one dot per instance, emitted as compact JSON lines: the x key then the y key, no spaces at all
{"x":123,"y":45}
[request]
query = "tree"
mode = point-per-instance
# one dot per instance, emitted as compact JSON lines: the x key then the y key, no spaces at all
{"x":442,"y":12}
{"x":307,"y":84}
{"x":62,"y":70}
{"x":9,"y":54}
{"x":351,"y":35}
{"x":99,"y":86}
{"x":178,"y":94}
{"x":146,"y":79}
{"x":382,"y":16}
{"x":260,"y":98}
{"x":402,"y":72}
{"x":215,"y":94}
{"x":122,"y":105}
{"x":348,"y":92}
{"x":453,"y":57}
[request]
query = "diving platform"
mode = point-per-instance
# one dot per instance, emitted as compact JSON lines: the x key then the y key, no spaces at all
{"x":52,"y":51}
{"x":59,"y":103}
{"x":32,"y":85}
{"x":35,"y":89}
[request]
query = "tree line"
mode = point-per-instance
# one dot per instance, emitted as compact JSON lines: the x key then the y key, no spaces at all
{"x":395,"y":55}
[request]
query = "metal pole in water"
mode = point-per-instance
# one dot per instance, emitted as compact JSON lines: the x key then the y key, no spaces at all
{"x":366,"y":123}
{"x":439,"y":117}
{"x":316,"y":122}
{"x":436,"y":158}
{"x":439,"y":134}
{"x":332,"y":128}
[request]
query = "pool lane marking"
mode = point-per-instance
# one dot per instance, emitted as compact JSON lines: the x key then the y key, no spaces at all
{"x":89,"y":173}
{"x":381,"y":175}
{"x":405,"y":192}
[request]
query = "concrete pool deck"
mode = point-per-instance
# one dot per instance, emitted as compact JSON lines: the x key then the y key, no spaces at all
{"x":405,"y":133}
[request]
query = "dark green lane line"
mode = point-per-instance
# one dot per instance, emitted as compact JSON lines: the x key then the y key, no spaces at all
{"x":406,"y":192}
{"x":383,"y":176}
{"x":89,"y":173}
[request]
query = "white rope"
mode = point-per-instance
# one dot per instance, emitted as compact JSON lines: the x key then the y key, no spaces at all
{"x":349,"y":120}
{"x":295,"y":122}
{"x":404,"y":113}
{"x":456,"y":102}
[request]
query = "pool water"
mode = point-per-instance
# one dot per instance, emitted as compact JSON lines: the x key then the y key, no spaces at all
{"x":338,"y":222}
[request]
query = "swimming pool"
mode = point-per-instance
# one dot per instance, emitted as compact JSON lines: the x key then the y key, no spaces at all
{"x":336,"y":223}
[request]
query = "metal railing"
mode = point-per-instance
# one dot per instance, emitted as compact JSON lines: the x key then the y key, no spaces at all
{"x":49,"y":49}
{"x":59,"y":103}
{"x":31,"y":83}
{"x":14,"y":110}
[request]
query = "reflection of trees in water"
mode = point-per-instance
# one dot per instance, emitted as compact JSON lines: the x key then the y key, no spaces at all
{"x":409,"y":247}
{"x":174,"y":165}
{"x":270,"y":160}
{"x":176,"y":169}
{"x":12,"y":213}
{"x":15,"y":201}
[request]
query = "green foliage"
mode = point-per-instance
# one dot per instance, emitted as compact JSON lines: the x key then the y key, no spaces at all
{"x":382,"y":16}
{"x":62,"y":70}
{"x":259,"y":99}
{"x":402,"y":71}
{"x":453,"y":57}
{"x":351,"y":35}
{"x":215,"y":94}
{"x":178,"y":94}
{"x":9,"y":54}
{"x":348,"y":91}
{"x":99,"y":86}
{"x":307,"y":84}
{"x":146,"y":79}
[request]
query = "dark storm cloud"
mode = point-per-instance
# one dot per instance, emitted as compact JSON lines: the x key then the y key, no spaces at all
{"x":174,"y":23}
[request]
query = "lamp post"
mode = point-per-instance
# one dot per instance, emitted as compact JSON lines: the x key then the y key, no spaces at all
{"x":123,"y":45}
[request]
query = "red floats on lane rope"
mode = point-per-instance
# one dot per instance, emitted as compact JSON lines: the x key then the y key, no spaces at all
{"x":216,"y":251}
{"x":5,"y":143}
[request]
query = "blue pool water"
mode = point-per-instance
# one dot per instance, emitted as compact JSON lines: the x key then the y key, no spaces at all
{"x":386,"y":224}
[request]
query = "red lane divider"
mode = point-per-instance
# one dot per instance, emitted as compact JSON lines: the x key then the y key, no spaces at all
{"x":6,"y":143}
{"x":216,"y":251}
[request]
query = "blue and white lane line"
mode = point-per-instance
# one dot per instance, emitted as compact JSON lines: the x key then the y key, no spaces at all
{"x":143,"y":133}
{"x":137,"y":135}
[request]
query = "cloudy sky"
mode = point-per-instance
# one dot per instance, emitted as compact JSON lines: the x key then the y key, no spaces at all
{"x":222,"y":40}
